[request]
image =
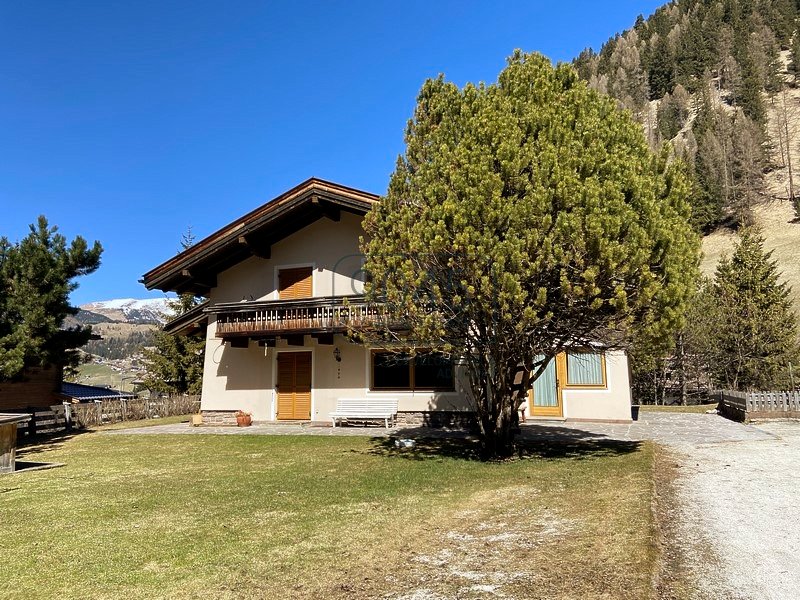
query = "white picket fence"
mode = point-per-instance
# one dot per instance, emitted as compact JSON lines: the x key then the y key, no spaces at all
{"x":761,"y":404}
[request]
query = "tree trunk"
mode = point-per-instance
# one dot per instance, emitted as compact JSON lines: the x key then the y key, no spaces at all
{"x":496,"y":410}
{"x":788,"y":146}
{"x":681,"y":355}
{"x":497,"y":439}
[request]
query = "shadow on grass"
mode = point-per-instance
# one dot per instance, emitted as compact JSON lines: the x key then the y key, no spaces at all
{"x":46,"y":441}
{"x":533,"y":442}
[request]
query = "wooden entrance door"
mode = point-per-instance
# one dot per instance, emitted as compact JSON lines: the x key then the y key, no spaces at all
{"x":294,"y":385}
{"x":546,"y":393}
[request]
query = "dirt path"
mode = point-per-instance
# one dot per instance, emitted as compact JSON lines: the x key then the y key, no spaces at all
{"x":738,"y":526}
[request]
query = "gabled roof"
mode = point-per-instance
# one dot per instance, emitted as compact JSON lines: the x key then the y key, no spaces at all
{"x":79,"y":391}
{"x":195,"y":269}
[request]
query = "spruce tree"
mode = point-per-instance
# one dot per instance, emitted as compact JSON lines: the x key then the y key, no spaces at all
{"x":175,"y":363}
{"x":661,"y":69}
{"x":748,"y":95}
{"x":37,"y":276}
{"x":753,"y":339}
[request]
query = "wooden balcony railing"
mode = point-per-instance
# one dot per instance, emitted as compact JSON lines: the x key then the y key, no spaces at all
{"x":312,"y":315}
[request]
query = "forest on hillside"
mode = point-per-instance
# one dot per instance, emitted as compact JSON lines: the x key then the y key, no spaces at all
{"x":119,"y":347}
{"x":714,"y":84}
{"x":699,"y":74}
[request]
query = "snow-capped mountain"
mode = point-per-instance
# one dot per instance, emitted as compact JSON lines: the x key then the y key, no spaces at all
{"x":126,"y":310}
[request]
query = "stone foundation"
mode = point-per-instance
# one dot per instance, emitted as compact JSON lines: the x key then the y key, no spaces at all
{"x":219,"y":417}
{"x":435,"y":419}
{"x":450,"y":419}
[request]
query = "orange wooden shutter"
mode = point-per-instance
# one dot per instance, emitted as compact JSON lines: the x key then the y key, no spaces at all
{"x":295,"y":283}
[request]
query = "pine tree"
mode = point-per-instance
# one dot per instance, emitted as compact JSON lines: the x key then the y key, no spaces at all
{"x":526,"y":217}
{"x":36,"y":278}
{"x":754,"y":337}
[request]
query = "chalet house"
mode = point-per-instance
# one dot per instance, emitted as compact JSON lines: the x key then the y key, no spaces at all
{"x":282,"y":284}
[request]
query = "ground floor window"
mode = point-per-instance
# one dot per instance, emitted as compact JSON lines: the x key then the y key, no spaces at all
{"x":402,"y":372}
{"x":586,"y":369}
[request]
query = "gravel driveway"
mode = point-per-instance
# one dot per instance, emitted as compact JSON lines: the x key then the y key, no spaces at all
{"x":740,"y":517}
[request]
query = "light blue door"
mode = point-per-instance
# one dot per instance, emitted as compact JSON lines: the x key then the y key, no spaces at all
{"x":546,"y":399}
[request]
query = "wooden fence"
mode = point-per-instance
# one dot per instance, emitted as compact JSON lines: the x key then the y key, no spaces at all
{"x":62,"y":417}
{"x":743,"y":406}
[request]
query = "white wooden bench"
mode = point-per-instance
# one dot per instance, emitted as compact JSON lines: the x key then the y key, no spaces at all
{"x":365,"y":409}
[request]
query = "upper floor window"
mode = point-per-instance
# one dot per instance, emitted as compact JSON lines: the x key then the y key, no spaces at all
{"x":295,"y":283}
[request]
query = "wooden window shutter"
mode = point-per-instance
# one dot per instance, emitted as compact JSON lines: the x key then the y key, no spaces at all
{"x":295,"y":283}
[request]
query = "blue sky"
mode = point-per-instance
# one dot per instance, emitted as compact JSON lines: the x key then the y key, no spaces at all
{"x":127,"y":122}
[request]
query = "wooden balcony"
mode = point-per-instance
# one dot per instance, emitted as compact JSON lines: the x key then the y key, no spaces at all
{"x":295,"y":317}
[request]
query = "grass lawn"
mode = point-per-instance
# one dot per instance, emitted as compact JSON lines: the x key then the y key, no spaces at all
{"x":211,"y":516}
{"x":144,"y":423}
{"x":698,"y":408}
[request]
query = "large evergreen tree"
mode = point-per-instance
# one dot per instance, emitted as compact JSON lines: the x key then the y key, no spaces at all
{"x":37,"y":276}
{"x":526,"y":217}
{"x":752,"y":338}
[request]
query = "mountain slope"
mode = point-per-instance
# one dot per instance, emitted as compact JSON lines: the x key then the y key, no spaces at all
{"x":775,"y":214}
{"x":151,"y":311}
{"x":717,"y":79}
{"x":125,"y":326}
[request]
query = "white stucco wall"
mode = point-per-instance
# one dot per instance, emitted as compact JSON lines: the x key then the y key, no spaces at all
{"x":244,"y":379}
{"x":330,"y":247}
{"x":612,"y":403}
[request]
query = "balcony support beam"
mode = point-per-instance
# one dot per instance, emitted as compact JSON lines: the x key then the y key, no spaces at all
{"x":323,"y":339}
{"x":294,"y":340}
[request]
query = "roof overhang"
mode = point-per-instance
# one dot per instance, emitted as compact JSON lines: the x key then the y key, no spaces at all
{"x":192,"y":322}
{"x":195,"y":270}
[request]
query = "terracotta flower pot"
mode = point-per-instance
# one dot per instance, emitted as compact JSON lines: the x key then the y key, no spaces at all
{"x":244,"y":420}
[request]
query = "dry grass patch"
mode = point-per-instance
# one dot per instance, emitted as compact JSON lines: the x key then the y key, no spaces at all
{"x":333,"y":517}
